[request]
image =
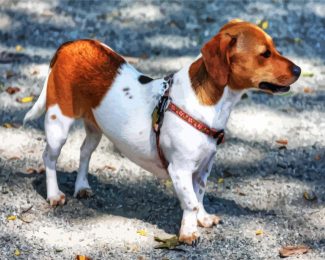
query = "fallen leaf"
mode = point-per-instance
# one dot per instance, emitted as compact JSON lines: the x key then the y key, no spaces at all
{"x":308,"y":90}
{"x":30,"y":170}
{"x":19,"y":48}
{"x":259,"y":232}
{"x":12,"y":217}
{"x":263,"y":24}
{"x":307,"y":74}
{"x":108,"y":167}
{"x":9,"y":74}
{"x":317,"y":157}
{"x":12,"y":90}
{"x":221,"y":180}
{"x":82,"y":257}
{"x":10,"y":125}
{"x":142,"y":232}
{"x":168,"y":184}
{"x":7,"y":125}
{"x":17,"y":252}
{"x":167,"y":243}
{"x":13,"y":158}
{"x":25,"y":99}
{"x":293,"y":250}
{"x":282,"y":141}
{"x":297,"y":40}
{"x":310,"y":196}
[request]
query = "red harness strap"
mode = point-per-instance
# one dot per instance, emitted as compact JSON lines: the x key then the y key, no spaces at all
{"x":218,"y":135}
{"x":160,"y":110}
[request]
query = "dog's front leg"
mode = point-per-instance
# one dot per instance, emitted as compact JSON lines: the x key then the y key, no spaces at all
{"x":204,"y":219}
{"x":182,"y":181}
{"x":200,"y":179}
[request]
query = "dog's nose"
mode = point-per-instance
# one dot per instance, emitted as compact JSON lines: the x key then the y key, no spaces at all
{"x":296,"y":70}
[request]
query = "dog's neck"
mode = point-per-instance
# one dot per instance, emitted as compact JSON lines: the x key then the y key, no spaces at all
{"x":185,"y":96}
{"x":208,"y":93}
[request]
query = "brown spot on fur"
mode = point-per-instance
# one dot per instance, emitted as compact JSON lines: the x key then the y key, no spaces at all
{"x":82,"y":73}
{"x":195,"y":209}
{"x":53,"y":117}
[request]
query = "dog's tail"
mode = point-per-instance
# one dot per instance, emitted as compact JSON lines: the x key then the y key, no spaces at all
{"x":39,"y":107}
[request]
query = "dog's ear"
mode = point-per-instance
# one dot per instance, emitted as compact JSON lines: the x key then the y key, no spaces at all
{"x":215,"y":55}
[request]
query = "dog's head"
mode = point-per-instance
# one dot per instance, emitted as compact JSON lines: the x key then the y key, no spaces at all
{"x":242,"y":56}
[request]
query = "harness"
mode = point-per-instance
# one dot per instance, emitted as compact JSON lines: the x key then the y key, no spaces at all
{"x":165,"y":104}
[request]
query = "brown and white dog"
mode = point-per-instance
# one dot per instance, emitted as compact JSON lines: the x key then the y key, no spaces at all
{"x":88,"y":80}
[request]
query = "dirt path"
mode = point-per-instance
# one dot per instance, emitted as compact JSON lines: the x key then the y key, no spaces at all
{"x":254,"y":184}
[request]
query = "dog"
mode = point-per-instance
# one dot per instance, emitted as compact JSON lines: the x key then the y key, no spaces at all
{"x":88,"y":80}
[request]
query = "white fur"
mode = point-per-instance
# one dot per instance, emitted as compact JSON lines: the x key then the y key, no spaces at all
{"x":124,"y":116}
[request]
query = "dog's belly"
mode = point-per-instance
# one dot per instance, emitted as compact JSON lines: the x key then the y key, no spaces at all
{"x":124,"y":116}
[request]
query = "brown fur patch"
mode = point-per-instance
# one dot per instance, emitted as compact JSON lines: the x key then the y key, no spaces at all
{"x":53,"y":117}
{"x":206,"y":90}
{"x":82,"y":73}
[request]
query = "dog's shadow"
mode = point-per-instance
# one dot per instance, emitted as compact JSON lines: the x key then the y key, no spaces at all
{"x":146,"y":200}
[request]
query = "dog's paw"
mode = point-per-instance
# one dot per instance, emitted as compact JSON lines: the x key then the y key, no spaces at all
{"x":83,"y":193}
{"x":192,"y":239}
{"x":57,"y":200}
{"x":208,"y":220}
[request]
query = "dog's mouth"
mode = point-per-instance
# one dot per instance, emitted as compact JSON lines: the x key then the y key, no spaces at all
{"x":273,"y":87}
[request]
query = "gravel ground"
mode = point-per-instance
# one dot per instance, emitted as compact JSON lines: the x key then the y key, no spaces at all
{"x":255,"y":185}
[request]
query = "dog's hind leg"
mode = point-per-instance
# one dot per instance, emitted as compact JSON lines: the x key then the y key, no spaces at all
{"x":93,"y":136}
{"x":56,"y":130}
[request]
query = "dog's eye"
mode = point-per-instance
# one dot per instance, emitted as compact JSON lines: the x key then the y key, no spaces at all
{"x":266,"y":54}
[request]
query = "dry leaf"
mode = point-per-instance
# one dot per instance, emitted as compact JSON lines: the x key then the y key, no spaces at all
{"x":7,"y":125}
{"x":108,"y":167}
{"x":259,"y":232}
{"x":317,"y":157}
{"x":307,"y":74}
{"x":263,"y":24}
{"x":293,"y":250}
{"x":17,"y":252}
{"x":9,"y":74}
{"x":82,"y":257}
{"x":308,"y":90}
{"x":310,"y":196}
{"x":167,"y":243}
{"x":282,"y":141}
{"x":19,"y":48}
{"x":297,"y":40}
{"x":142,"y":232}
{"x":168,"y":184}
{"x":12,"y":90}
{"x":12,"y":217}
{"x":25,"y":99}
{"x":10,"y":125}
{"x":13,"y":158}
